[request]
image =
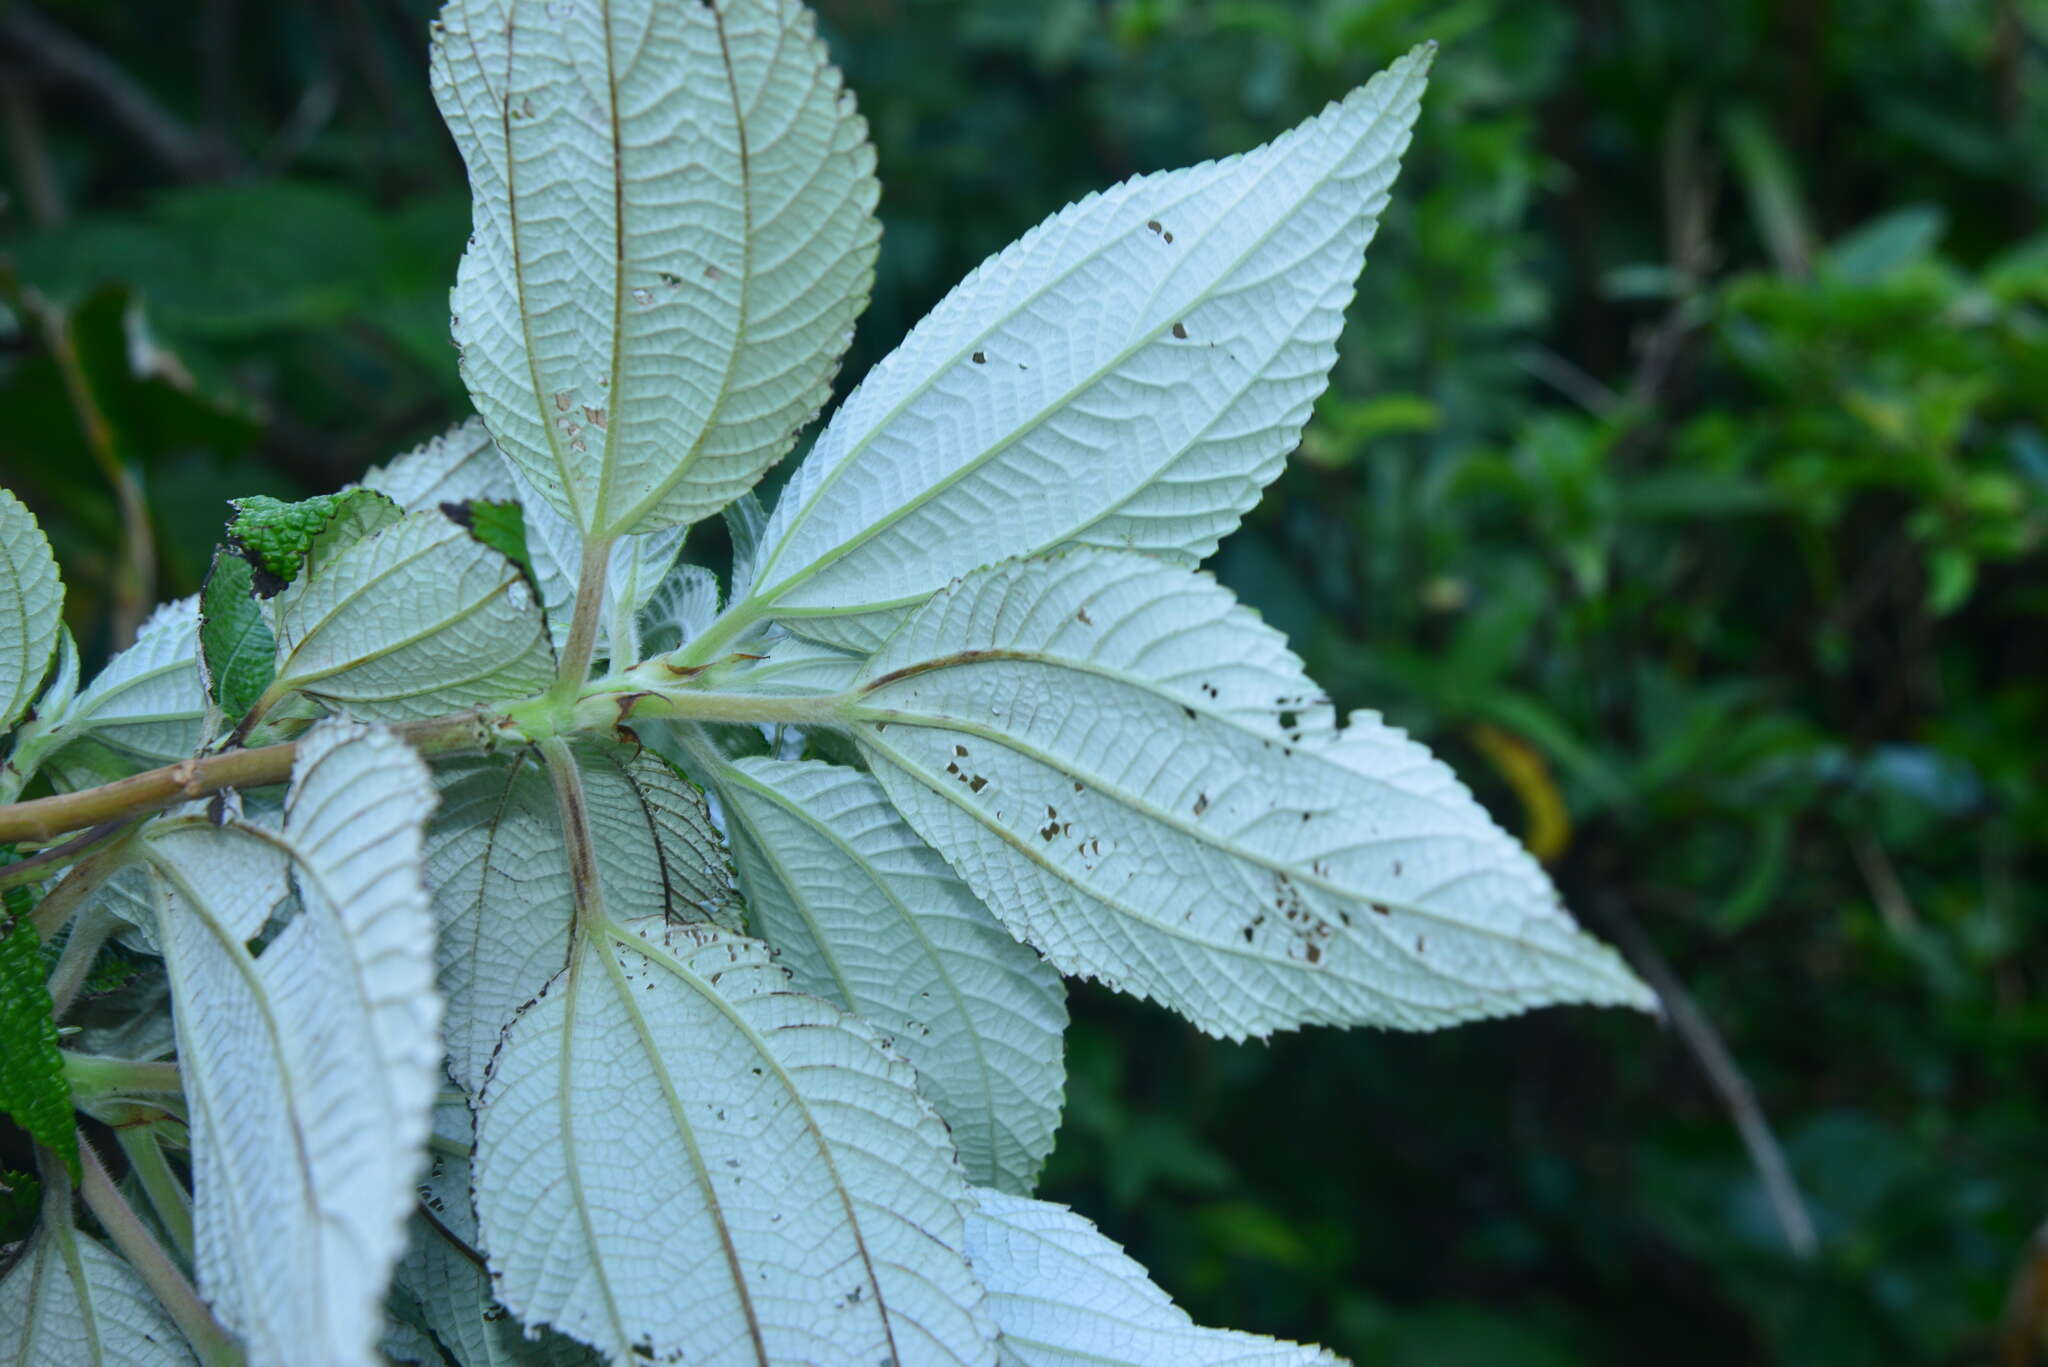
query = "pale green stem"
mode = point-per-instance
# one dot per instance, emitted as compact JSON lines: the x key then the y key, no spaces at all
{"x":55,"y":910}
{"x":94,"y":1075}
{"x":154,"y":1265}
{"x":167,"y":1195}
{"x":729,"y":627}
{"x":581,"y":644}
{"x":89,"y":935}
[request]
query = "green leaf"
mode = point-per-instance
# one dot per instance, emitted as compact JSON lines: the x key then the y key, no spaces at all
{"x":644,"y":353}
{"x":31,"y":607}
{"x":32,"y":1086}
{"x":1130,"y":373}
{"x":237,"y":654}
{"x":1138,"y":778}
{"x":279,"y":538}
{"x":498,"y":524}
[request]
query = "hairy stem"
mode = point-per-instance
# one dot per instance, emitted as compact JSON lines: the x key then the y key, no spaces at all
{"x":155,"y":1266}
{"x":167,"y":1195}
{"x":45,"y":818}
{"x":582,"y":643}
{"x":731,"y":624}
{"x":88,"y":937}
{"x":569,"y":800}
{"x":95,"y":1075}
{"x":40,"y":865}
{"x":81,"y":882}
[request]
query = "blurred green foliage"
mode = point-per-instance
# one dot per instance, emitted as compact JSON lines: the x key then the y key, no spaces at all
{"x":1684,"y":479}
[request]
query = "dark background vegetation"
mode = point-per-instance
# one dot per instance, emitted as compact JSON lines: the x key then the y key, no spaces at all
{"x":1684,"y":480}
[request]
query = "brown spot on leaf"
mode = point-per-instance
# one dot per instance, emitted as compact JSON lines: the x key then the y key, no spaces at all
{"x":981,"y":358}
{"x":977,"y":783}
{"x":1180,"y":331}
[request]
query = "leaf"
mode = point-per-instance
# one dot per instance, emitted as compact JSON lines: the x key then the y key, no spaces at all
{"x":1063,"y":1293}
{"x":684,"y":604}
{"x":694,"y":234}
{"x":309,"y":1068}
{"x":863,"y":914}
{"x":499,"y":524}
{"x":280,"y":539}
{"x":236,"y":651}
{"x":500,"y":878}
{"x":635,"y":569}
{"x":412,"y":621}
{"x":1136,"y":776}
{"x":459,"y":466}
{"x":31,"y":607}
{"x":1131,"y":373}
{"x":33,"y":1092}
{"x":148,"y":706}
{"x":68,"y":1301}
{"x":446,"y":1276}
{"x":670,"y":1115}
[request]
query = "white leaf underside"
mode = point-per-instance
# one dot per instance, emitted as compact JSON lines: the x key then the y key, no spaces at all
{"x":634,"y":570}
{"x":415,"y":620}
{"x":31,"y":607}
{"x":680,"y":607}
{"x":69,"y":1302}
{"x":1064,"y":1295}
{"x":500,"y":878}
{"x":673,"y":233}
{"x":1131,"y":373}
{"x":670,"y":1115}
{"x":1134,"y":773}
{"x":309,"y":1069}
{"x":451,"y":1288}
{"x":148,"y":705}
{"x":459,"y":466}
{"x":864,"y":914}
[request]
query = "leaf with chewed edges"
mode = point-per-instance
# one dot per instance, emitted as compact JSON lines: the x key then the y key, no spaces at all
{"x":1063,"y":1295}
{"x":462,"y":465}
{"x":500,"y":877}
{"x":863,"y":913}
{"x":1138,"y":778}
{"x":450,"y":1288}
{"x":673,"y":232}
{"x":31,"y":607}
{"x":310,"y":1067}
{"x":1131,"y":373}
{"x":414,"y":620}
{"x":69,"y":1302}
{"x":680,"y":1157}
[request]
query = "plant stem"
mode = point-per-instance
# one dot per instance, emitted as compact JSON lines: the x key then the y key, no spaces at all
{"x":167,"y":1195}
{"x":569,"y":800}
{"x":582,"y":642}
{"x":94,"y":1075}
{"x":154,"y":1265}
{"x":729,"y":626}
{"x":89,"y":935}
{"x":83,"y":879}
{"x":41,"y":864}
{"x":45,"y":818}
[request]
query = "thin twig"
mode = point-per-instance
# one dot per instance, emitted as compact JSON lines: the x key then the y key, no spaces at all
{"x":167,"y":1195}
{"x":1727,"y":1078}
{"x":43,"y":863}
{"x":76,"y":886}
{"x":46,"y":818}
{"x":89,"y":935}
{"x":155,"y":1266}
